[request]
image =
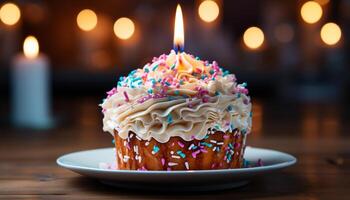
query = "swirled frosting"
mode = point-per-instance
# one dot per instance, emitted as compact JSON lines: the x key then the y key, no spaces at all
{"x":177,"y":95}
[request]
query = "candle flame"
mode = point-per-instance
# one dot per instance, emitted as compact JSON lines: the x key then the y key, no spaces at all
{"x":31,"y":47}
{"x":179,"y":38}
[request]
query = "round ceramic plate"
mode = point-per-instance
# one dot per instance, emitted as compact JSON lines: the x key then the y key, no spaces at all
{"x":87,"y":163}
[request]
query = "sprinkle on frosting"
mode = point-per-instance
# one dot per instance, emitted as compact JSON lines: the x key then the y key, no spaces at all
{"x":177,"y":95}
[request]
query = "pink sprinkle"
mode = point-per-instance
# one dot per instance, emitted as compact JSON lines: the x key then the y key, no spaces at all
{"x":111,"y":92}
{"x":205,"y":99}
{"x":103,"y":110}
{"x":126,"y":96}
{"x":163,"y":161}
{"x":213,"y":165}
{"x":168,"y":169}
{"x":226,"y":136}
{"x":194,"y":154}
{"x":204,"y":151}
{"x":237,"y":145}
{"x":181,"y":144}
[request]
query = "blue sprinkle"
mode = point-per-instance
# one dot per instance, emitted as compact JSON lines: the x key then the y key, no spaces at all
{"x":155,"y":67}
{"x":181,"y":82}
{"x":229,"y":108}
{"x":229,"y":156}
{"x":153,"y":81}
{"x":244,"y":84}
{"x":206,"y":144}
{"x":173,"y":66}
{"x":211,"y":72}
{"x":176,"y":92}
{"x":197,"y":58}
{"x":203,"y":77}
{"x":239,"y":95}
{"x":136,"y":79}
{"x":113,"y":141}
{"x":217,"y":93}
{"x":167,"y":83}
{"x":181,"y":154}
{"x":146,"y":70}
{"x":206,"y":137}
{"x":230,"y":145}
{"x":155,"y":149}
{"x":150,"y":91}
{"x":170,"y":119}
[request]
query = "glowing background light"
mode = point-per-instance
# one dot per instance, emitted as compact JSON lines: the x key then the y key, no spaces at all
{"x":31,"y":47}
{"x":208,"y":11}
{"x":253,"y":37}
{"x":284,"y":33}
{"x":10,"y":14}
{"x":311,"y":12}
{"x":322,"y":2}
{"x":330,"y":33}
{"x":87,"y":20}
{"x":124,"y":28}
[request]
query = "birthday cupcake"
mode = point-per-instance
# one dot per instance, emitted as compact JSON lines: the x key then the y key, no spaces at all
{"x":178,"y":113}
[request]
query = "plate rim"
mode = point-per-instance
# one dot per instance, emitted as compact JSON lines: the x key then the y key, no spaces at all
{"x":214,"y":171}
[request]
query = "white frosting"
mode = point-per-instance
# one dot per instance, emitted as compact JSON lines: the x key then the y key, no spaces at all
{"x":188,"y":117}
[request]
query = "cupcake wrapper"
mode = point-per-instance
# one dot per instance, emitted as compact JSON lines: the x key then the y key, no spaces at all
{"x":217,"y":150}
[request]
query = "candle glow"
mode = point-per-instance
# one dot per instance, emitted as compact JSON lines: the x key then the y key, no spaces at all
{"x":330,"y":33}
{"x":87,"y":20}
{"x":253,"y":37}
{"x":124,"y":28}
{"x":31,"y":47}
{"x":10,"y":14}
{"x":208,"y":11}
{"x":311,"y":12}
{"x":179,"y":35}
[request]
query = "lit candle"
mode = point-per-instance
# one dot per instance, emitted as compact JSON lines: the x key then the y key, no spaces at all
{"x":179,"y":33}
{"x":30,"y":87}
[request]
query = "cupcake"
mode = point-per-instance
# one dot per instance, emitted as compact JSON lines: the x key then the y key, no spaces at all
{"x":178,"y":113}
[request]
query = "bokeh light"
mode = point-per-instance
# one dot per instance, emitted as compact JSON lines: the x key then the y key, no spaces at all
{"x":284,"y":33}
{"x":124,"y":28}
{"x":330,"y":33}
{"x":87,"y":20}
{"x":208,"y":11}
{"x":31,"y":47}
{"x":322,"y":2}
{"x":253,"y":37}
{"x":10,"y":14}
{"x":311,"y":12}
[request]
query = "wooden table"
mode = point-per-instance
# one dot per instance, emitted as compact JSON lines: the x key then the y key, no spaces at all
{"x":317,"y":135}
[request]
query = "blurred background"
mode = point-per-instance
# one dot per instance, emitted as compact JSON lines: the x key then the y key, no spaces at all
{"x":294,"y":55}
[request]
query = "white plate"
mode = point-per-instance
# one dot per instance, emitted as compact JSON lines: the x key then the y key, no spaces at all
{"x":87,"y":163}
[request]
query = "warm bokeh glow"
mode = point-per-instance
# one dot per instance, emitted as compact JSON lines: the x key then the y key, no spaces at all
{"x":31,"y":47}
{"x":330,"y":33}
{"x":179,"y":34}
{"x":284,"y":33}
{"x":311,"y":12}
{"x":322,"y":2}
{"x":124,"y":28}
{"x":208,"y":10}
{"x":87,"y":20}
{"x":9,"y":14}
{"x":253,"y":37}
